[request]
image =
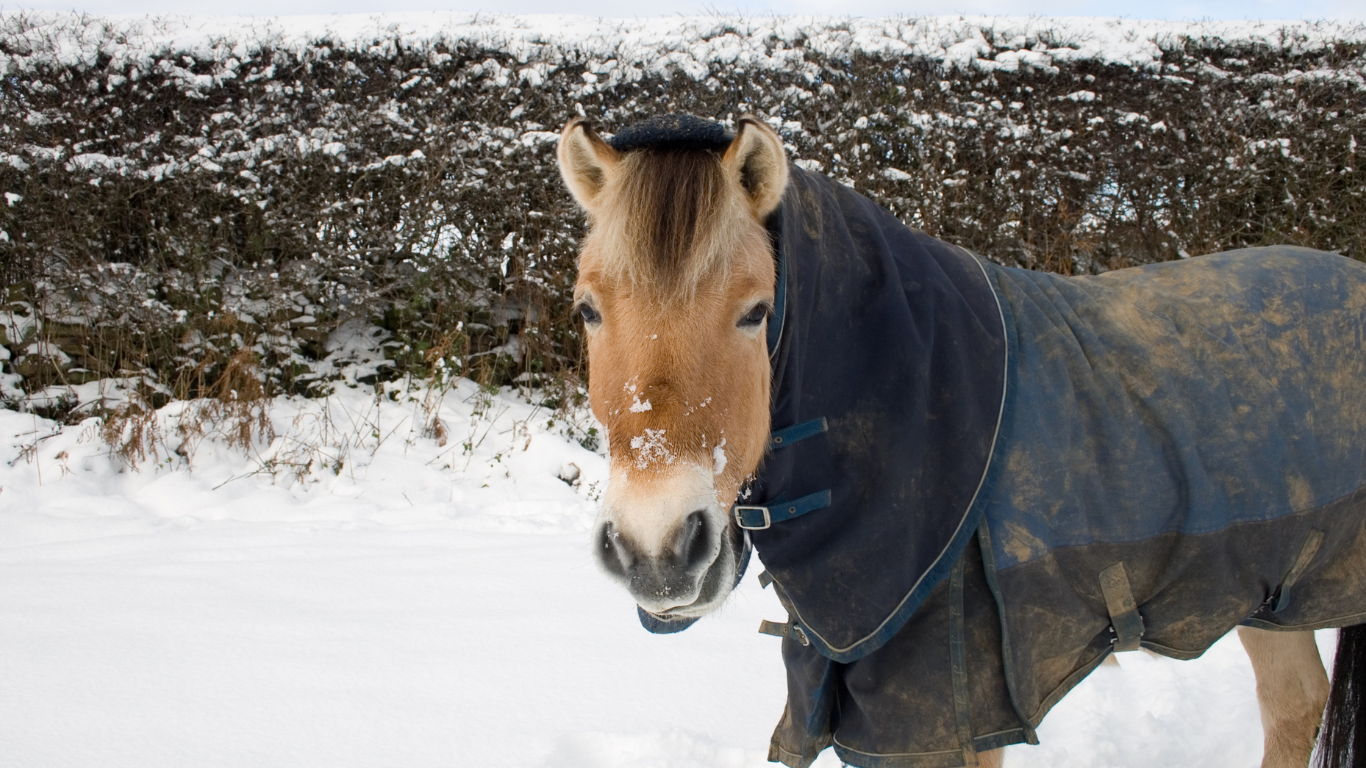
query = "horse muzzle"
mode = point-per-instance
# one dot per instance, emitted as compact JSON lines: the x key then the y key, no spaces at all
{"x":688,"y":576}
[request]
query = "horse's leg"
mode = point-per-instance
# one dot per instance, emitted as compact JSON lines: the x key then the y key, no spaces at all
{"x":993,"y":759}
{"x":1291,"y":691}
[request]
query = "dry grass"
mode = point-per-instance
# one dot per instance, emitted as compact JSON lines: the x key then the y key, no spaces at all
{"x":236,"y":411}
{"x":132,"y":432}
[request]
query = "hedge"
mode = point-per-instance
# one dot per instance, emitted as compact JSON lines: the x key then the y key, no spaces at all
{"x":366,"y":198}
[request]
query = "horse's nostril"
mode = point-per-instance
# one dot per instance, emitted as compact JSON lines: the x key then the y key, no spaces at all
{"x":693,"y":546}
{"x":612,"y":551}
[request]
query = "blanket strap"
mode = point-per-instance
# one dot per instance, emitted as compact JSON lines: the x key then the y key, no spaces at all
{"x":788,"y":435}
{"x":785,"y":629}
{"x":753,"y":517}
{"x":775,"y":628}
{"x":757,"y":517}
{"x":1312,"y":542}
{"x":1119,"y":601}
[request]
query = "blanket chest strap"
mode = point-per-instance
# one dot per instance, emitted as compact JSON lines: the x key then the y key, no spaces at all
{"x":1119,"y":601}
{"x":755,"y":517}
{"x":782,"y":438}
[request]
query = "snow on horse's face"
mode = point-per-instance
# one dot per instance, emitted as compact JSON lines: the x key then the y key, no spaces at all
{"x":675,"y":284}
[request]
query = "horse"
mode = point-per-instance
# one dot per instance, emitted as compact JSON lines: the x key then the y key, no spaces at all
{"x":969,"y":484}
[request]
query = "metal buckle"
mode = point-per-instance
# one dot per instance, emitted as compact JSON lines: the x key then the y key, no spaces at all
{"x":740,"y":520}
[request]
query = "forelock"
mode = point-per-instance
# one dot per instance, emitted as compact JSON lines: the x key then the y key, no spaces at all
{"x":670,"y":219}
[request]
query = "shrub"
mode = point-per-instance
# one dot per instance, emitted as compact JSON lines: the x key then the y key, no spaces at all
{"x":362,"y":205}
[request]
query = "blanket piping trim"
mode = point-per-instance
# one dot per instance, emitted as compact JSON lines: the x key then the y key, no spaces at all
{"x":775,"y":337}
{"x":938,"y":569}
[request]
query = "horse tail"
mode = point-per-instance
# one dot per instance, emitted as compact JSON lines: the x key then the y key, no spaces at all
{"x":1342,"y":739}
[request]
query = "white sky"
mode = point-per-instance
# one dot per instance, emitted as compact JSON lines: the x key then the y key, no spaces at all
{"x":1174,"y":10}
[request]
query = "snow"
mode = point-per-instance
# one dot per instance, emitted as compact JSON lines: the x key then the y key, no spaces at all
{"x":651,"y":448}
{"x":47,"y":350}
{"x":403,"y":577}
{"x":623,"y":50}
{"x":359,"y":591}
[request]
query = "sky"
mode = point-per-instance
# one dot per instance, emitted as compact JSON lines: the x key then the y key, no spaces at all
{"x":1173,"y":10}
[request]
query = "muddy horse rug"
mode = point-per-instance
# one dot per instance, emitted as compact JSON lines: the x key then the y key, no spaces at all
{"x":982,"y":481}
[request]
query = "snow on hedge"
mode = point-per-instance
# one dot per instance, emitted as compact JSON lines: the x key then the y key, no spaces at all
{"x":662,"y":46}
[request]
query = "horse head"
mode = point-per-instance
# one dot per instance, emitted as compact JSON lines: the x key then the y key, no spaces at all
{"x":675,"y":286}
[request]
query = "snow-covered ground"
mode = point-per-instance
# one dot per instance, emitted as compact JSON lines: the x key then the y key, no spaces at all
{"x":398,"y":602}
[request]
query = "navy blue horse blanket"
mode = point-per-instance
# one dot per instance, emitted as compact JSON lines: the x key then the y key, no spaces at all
{"x":1029,"y":471}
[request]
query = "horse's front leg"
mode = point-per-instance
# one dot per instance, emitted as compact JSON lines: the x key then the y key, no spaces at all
{"x":993,"y":759}
{"x":1292,"y":688}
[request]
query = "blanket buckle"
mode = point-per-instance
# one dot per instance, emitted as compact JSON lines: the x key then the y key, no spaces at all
{"x":754,"y":517}
{"x":740,"y":518}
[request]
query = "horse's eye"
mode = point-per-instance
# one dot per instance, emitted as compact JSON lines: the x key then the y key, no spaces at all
{"x":590,"y":316}
{"x":755,"y":316}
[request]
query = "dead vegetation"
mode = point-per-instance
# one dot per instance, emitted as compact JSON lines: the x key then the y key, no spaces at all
{"x":235,"y":411}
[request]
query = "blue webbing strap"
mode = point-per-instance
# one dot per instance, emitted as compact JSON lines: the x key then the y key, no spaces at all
{"x":757,"y":518}
{"x":789,"y":435}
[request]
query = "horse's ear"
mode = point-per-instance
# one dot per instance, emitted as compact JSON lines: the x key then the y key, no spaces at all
{"x":756,"y":159}
{"x":585,"y":162}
